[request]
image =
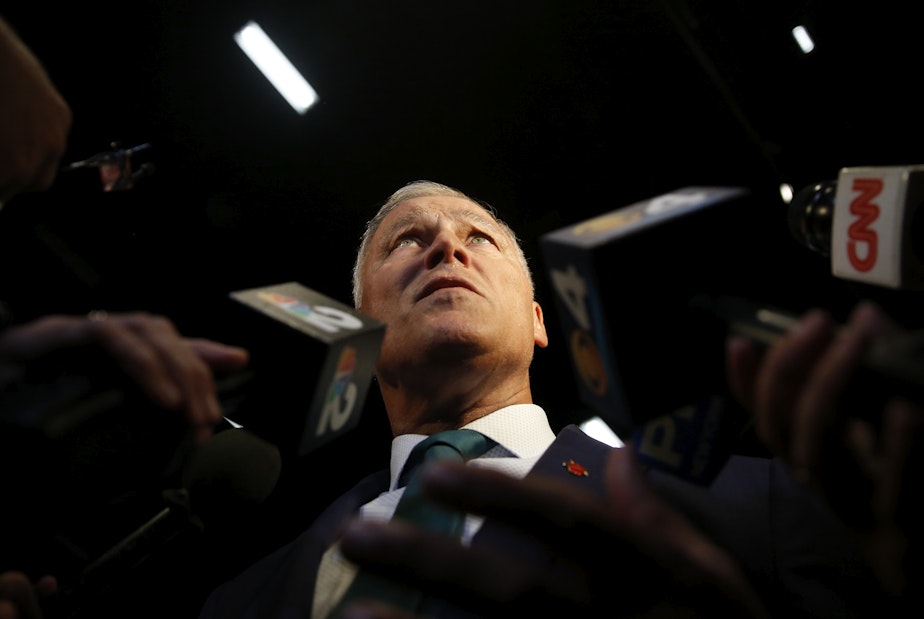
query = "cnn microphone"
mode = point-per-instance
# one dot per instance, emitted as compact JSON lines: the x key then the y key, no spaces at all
{"x":869,"y":222}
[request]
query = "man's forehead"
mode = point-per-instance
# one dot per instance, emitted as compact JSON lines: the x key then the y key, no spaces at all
{"x":424,"y":208}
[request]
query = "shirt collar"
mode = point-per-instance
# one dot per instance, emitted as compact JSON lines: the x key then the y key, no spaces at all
{"x":522,"y":429}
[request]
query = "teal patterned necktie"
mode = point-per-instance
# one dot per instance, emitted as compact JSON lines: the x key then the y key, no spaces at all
{"x":460,"y":445}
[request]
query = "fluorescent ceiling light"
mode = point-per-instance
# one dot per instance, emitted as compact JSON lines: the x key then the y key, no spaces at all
{"x":801,"y":35}
{"x":276,"y":67}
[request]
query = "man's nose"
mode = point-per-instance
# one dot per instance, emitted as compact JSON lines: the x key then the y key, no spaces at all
{"x":446,"y":247}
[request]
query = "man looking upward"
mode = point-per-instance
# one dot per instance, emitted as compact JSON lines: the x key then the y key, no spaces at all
{"x":451,"y":283}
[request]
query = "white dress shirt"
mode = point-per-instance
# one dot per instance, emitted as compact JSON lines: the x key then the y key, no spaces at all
{"x":522,"y":433}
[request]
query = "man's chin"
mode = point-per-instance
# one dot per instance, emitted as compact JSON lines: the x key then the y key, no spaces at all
{"x":452,"y":340}
{"x":453,"y":328}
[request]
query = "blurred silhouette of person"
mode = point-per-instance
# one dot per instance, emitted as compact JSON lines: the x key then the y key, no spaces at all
{"x":35,"y":120}
{"x":173,"y":372}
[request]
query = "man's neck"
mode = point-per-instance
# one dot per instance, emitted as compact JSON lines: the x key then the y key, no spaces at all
{"x":410,"y":412}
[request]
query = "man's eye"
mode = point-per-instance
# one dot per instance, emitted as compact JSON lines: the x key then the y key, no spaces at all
{"x":405,"y":242}
{"x":481,"y":239}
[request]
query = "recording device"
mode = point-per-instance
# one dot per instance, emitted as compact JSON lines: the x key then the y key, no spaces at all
{"x":312,"y":360}
{"x":623,"y":284}
{"x":647,"y":350}
{"x":869,"y":222}
{"x":78,"y":436}
{"x":75,"y":427}
{"x":647,"y":296}
{"x":893,"y":364}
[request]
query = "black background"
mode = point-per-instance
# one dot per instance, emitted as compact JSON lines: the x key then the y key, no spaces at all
{"x":553,"y":111}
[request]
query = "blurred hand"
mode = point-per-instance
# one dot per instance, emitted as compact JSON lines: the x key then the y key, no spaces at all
{"x":812,"y":411}
{"x":35,"y":120}
{"x":628,"y":555}
{"x":175,"y":372}
{"x":20,"y":599}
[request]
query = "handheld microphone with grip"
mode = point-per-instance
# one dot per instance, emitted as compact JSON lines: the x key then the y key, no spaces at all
{"x":893,"y":365}
{"x":76,"y":437}
{"x":74,"y":421}
{"x":77,"y":429}
{"x":869,"y":222}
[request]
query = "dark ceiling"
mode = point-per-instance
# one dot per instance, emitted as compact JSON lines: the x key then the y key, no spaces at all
{"x":554,"y":111}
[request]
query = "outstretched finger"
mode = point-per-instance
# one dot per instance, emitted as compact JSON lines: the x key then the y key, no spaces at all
{"x":16,"y":590}
{"x":782,"y":377}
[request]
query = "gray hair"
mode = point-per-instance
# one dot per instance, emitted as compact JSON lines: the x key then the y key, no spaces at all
{"x":418,"y":189}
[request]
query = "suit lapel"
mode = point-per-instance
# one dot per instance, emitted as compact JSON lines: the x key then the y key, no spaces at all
{"x":291,"y":584}
{"x":573,"y":456}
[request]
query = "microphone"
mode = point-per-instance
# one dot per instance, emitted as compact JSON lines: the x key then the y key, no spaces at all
{"x":223,"y":482}
{"x":647,"y":295}
{"x":646,"y":358}
{"x":623,"y":282}
{"x":869,"y":222}
{"x":77,"y":428}
{"x":893,"y":364}
{"x":312,"y":362}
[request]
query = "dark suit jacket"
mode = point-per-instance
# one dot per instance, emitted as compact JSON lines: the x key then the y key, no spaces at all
{"x":796,"y":554}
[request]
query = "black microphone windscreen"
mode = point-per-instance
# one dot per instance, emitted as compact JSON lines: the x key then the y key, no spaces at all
{"x":233,"y":471}
{"x":811,"y":214}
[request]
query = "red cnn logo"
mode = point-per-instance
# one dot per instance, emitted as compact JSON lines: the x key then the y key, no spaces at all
{"x":859,"y":232}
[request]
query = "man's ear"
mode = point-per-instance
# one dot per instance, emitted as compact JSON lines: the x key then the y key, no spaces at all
{"x":539,"y":335}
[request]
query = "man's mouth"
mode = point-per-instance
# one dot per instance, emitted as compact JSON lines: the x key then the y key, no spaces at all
{"x":442,"y":283}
